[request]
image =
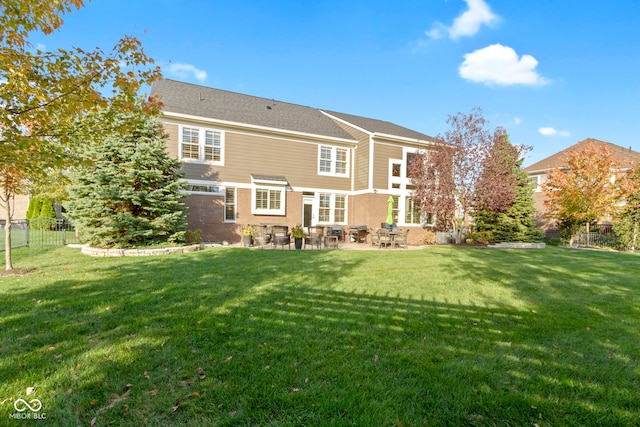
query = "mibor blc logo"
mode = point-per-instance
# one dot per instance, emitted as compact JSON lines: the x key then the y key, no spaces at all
{"x":28,"y":410}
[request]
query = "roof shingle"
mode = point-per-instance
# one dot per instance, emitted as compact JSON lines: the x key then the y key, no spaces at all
{"x":625,"y":156}
{"x":202,"y":101}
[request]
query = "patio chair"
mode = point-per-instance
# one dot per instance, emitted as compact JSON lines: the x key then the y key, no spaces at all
{"x":281,"y":236}
{"x":261,"y":236}
{"x":315,"y":236}
{"x":375,"y":237}
{"x":384,"y":238}
{"x":400,"y":239}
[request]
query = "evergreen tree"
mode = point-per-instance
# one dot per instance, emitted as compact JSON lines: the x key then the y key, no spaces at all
{"x":33,"y":211}
{"x":128,"y":192}
{"x":47,"y":214}
{"x":504,"y":206}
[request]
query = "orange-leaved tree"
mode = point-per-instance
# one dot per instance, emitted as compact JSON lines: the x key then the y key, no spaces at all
{"x":45,"y":95}
{"x":584,"y":189}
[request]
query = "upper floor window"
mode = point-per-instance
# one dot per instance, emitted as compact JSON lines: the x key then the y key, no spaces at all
{"x":333,"y":161}
{"x":201,"y":144}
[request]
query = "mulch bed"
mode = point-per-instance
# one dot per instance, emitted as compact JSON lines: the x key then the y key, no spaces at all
{"x":16,"y":272}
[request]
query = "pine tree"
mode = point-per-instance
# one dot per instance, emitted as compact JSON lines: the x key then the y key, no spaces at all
{"x":504,"y":206}
{"x":128,"y":193}
{"x":33,"y":211}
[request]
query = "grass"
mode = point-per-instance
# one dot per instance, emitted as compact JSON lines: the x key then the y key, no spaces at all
{"x":445,"y":336}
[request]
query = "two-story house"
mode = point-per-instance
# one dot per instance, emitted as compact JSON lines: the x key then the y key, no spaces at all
{"x":538,"y":171}
{"x":251,"y":160}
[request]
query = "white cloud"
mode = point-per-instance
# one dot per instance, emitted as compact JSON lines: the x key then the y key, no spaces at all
{"x":517,"y":120}
{"x":41,"y":46}
{"x":500,"y":65}
{"x":184,"y":71}
{"x":549,"y":131}
{"x":468,"y":23}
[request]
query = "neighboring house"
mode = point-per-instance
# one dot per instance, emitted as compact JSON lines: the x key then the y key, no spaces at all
{"x":626,"y":157}
{"x":250,"y":160}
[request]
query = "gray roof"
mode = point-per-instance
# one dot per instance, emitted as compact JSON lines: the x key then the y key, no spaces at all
{"x":380,"y":126}
{"x":625,"y":156}
{"x":202,"y":101}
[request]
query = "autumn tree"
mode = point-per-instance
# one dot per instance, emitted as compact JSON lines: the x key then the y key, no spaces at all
{"x":584,"y":189}
{"x":503,"y":208}
{"x":45,"y":95}
{"x":627,"y":227}
{"x":446,"y":176}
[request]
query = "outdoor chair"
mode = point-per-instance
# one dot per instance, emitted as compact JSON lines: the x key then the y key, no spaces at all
{"x":281,"y":236}
{"x":400,"y":239}
{"x":261,"y":236}
{"x":384,"y":238}
{"x":314,"y":237}
{"x":375,"y":237}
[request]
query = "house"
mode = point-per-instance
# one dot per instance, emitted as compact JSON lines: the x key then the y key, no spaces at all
{"x":251,"y":160}
{"x":626,"y":157}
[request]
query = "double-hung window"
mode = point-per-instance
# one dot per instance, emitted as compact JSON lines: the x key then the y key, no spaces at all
{"x":332,"y":208}
{"x":333,"y":161}
{"x":201,"y":145}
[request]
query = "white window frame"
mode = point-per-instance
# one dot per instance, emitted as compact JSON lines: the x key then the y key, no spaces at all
{"x":203,"y":146}
{"x":208,"y":188}
{"x":235,"y":204}
{"x":332,"y":160}
{"x":280,"y":191}
{"x":535,"y":179}
{"x":332,"y":207}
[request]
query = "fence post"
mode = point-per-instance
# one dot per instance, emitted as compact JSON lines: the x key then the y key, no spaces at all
{"x":28,"y":227}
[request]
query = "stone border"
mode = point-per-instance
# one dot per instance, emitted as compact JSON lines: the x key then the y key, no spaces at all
{"x":518,"y":245}
{"x":99,"y":252}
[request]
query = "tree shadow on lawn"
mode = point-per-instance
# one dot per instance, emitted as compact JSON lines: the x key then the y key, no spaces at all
{"x":212,"y":338}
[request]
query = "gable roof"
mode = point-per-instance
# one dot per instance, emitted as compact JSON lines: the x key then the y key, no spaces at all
{"x":380,"y":126}
{"x":625,"y":156}
{"x":201,"y":101}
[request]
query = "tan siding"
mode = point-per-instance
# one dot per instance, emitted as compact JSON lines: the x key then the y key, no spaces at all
{"x":172,"y":142}
{"x":382,"y":154}
{"x":295,"y":160}
{"x":20,"y":206}
{"x":246,"y":154}
{"x":361,"y":156}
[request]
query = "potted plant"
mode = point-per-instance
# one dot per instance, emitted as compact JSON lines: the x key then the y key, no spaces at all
{"x":298,"y":234}
{"x":247,"y":235}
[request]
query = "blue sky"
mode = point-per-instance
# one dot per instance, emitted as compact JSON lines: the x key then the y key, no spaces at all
{"x":551,"y":72}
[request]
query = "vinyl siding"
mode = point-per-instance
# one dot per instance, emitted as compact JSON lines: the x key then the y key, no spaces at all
{"x":247,"y":153}
{"x":382,"y":154}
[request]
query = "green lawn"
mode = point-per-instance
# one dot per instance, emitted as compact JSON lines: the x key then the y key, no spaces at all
{"x":449,"y":336}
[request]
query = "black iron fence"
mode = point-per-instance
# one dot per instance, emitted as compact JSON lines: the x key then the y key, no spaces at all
{"x":39,"y":232}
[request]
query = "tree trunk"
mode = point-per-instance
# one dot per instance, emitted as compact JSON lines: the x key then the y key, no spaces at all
{"x":634,"y":239}
{"x":587,"y":241}
{"x":7,"y":234}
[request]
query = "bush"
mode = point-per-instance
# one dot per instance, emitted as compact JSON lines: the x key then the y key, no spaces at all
{"x":429,"y":238}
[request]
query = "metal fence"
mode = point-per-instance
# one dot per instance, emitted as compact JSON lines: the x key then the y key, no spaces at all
{"x":39,"y":232}
{"x":594,"y":240}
